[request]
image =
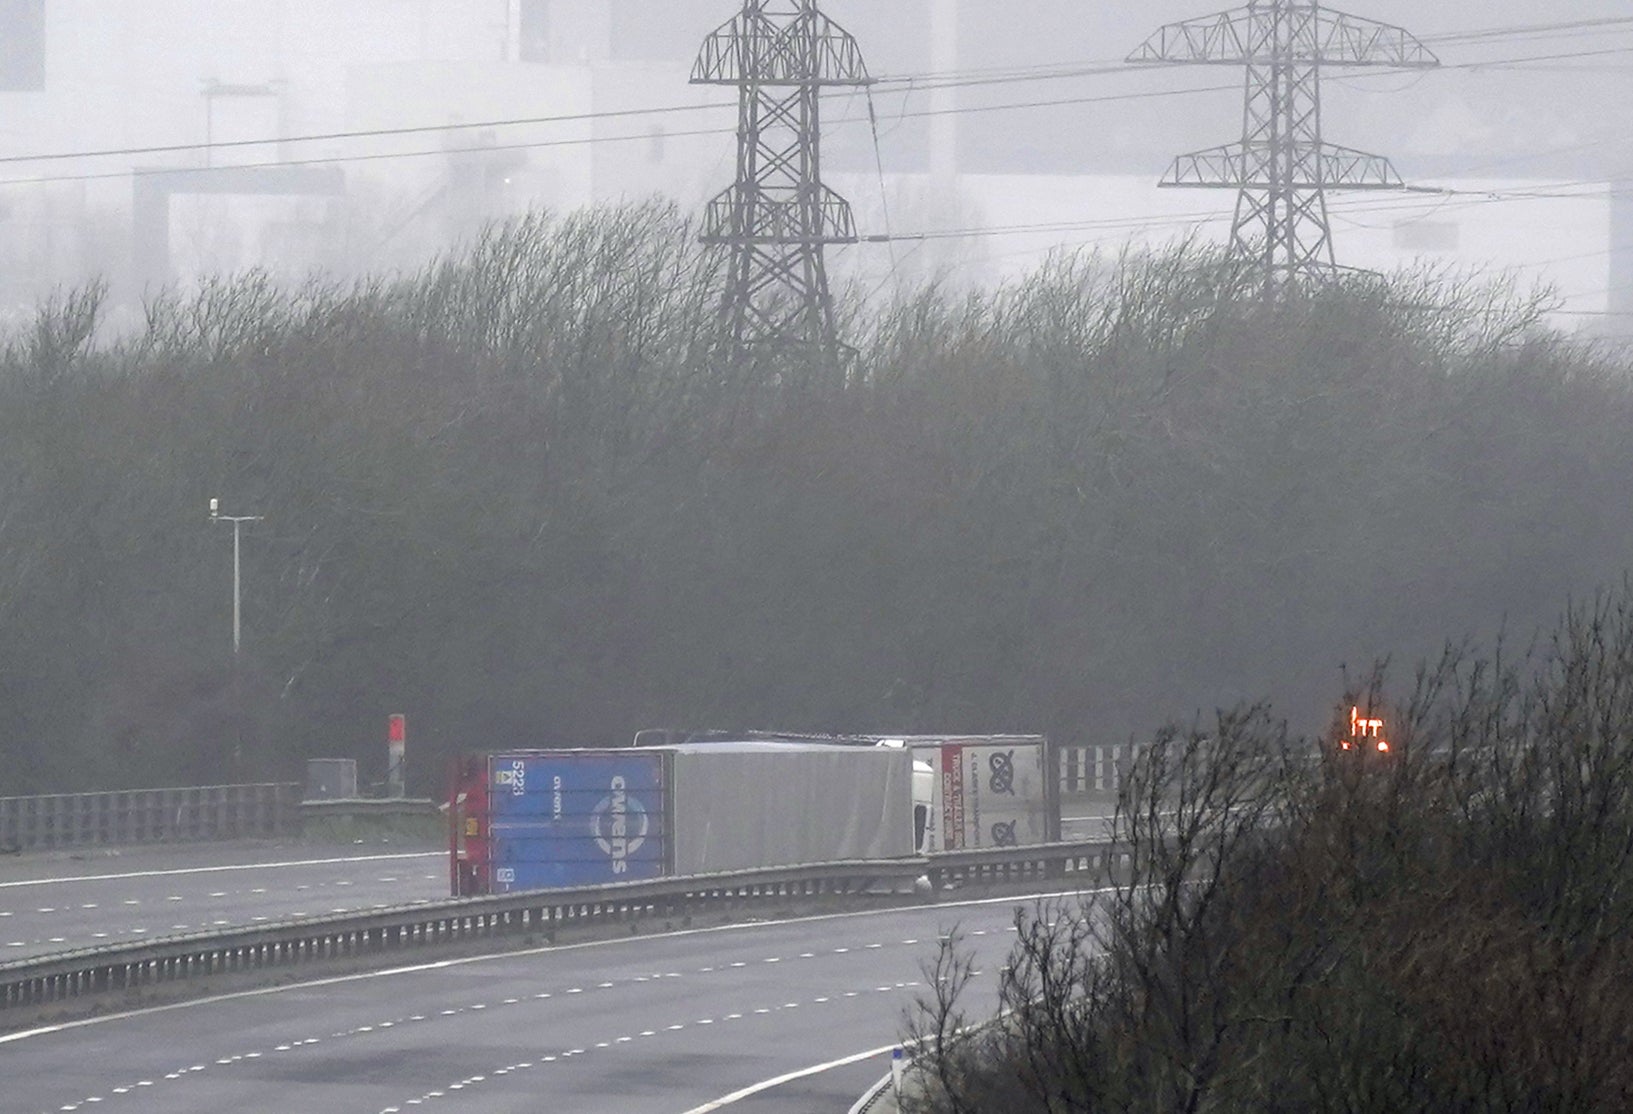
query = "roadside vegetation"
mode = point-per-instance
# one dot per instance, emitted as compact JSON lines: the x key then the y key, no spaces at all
{"x":1446,"y":928}
{"x":517,"y":497}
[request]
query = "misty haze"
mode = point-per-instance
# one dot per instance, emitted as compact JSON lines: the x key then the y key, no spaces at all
{"x":1205,"y":398}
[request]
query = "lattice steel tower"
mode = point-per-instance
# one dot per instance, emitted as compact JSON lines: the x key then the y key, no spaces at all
{"x":778,"y":217}
{"x":1282,"y":167}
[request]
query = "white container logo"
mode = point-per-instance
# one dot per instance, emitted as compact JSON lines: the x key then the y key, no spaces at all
{"x":620,"y":823}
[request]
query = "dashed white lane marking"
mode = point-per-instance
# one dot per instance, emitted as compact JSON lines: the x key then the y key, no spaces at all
{"x":611,"y":1042}
{"x":446,"y":964}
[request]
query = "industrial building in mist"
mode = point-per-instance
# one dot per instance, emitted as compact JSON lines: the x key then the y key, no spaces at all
{"x":161,"y":142}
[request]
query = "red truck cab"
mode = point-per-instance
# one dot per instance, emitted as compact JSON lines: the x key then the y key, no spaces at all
{"x":468,"y":843}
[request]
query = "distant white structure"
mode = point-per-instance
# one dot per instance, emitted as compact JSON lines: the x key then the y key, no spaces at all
{"x":433,"y":116}
{"x":188,"y":124}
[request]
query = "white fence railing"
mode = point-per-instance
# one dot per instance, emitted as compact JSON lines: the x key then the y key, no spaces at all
{"x":1094,"y":769}
{"x":135,"y":816}
{"x":148,"y":816}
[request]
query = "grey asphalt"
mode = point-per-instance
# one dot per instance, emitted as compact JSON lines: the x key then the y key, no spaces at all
{"x":646,"y":1025}
{"x":55,"y":901}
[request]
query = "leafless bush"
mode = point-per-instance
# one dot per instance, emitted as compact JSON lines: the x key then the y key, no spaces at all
{"x":518,"y":494}
{"x":1443,"y":929}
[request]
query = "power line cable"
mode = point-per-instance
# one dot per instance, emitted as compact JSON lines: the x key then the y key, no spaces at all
{"x":879,"y":164}
{"x":520,"y":146}
{"x":1527,"y":30}
{"x":911,"y":83}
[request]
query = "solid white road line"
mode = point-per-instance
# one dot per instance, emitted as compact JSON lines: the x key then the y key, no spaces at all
{"x":767,"y":1084}
{"x":220,"y":869}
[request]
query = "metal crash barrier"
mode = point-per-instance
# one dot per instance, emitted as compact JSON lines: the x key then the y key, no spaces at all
{"x":124,"y":968}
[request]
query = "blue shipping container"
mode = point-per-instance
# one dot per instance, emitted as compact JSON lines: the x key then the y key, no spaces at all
{"x":576,"y":818}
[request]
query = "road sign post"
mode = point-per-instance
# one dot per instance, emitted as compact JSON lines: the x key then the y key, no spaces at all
{"x":396,"y":745}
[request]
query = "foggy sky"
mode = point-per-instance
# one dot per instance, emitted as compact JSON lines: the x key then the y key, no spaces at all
{"x":119,"y":74}
{"x":1431,"y":124}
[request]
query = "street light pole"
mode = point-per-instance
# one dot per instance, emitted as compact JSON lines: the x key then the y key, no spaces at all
{"x":237,"y":595}
{"x":237,"y":521}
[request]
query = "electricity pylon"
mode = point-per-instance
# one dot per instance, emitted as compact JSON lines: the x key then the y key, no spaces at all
{"x":778,"y":217}
{"x":1283,"y":168}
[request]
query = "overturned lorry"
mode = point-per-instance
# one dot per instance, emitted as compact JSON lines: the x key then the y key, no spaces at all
{"x":542,"y":819}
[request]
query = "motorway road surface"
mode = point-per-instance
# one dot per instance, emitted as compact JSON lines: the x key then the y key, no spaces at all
{"x":56,"y":901}
{"x":643,"y":1025}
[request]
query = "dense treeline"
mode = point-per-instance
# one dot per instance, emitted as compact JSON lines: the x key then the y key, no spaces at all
{"x":1446,"y":928}
{"x":518,"y":498}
